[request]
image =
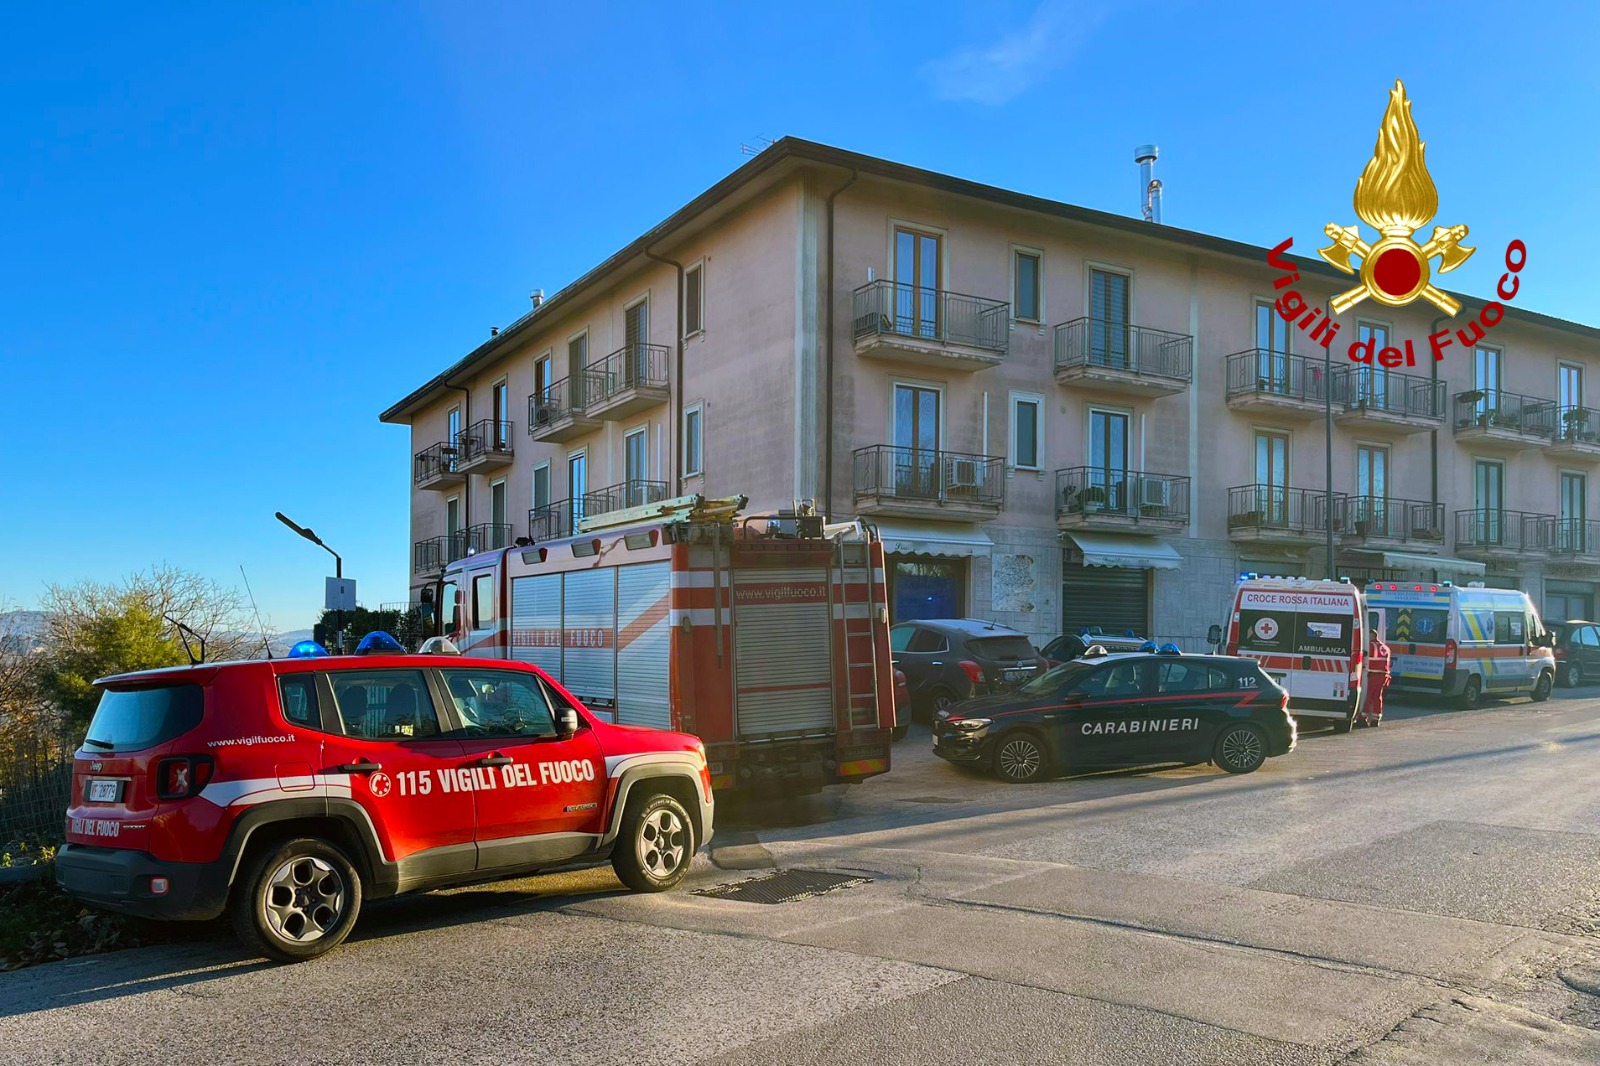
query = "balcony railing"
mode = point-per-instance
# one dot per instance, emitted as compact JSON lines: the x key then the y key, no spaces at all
{"x":442,"y":460}
{"x":485,"y":438}
{"x":1391,"y":518}
{"x":1261,"y":372}
{"x":429,"y":556}
{"x":1577,"y":536}
{"x":560,"y":400}
{"x":1358,"y":388}
{"x":1279,"y":509}
{"x":1512,"y":530}
{"x":892,"y":308}
{"x":485,"y":536}
{"x":884,"y":470}
{"x":623,"y":495}
{"x":633,"y":366}
{"x":1496,"y":409}
{"x":1092,"y":342}
{"x":1092,"y":490}
{"x":552,"y":521}
{"x":1575,"y":423}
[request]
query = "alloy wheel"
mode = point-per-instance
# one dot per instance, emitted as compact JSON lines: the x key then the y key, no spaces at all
{"x":1242,"y":748}
{"x":1020,"y":759}
{"x":305,"y":898}
{"x":662,"y":842}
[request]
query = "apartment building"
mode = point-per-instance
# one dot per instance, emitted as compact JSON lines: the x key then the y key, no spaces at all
{"x":1054,"y":416}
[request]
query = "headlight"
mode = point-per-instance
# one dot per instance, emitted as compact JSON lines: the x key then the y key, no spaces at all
{"x":971,"y":725}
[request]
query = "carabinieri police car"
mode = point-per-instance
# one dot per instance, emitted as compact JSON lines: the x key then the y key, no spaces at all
{"x":1131,"y":709}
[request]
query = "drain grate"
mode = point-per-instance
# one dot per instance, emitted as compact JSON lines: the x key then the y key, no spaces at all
{"x":785,"y":886}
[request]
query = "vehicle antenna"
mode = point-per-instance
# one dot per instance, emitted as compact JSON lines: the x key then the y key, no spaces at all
{"x":184,"y":633}
{"x":265,"y":645}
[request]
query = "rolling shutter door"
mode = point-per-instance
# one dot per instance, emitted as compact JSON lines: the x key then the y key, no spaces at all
{"x":536,"y":622}
{"x":1115,"y":598}
{"x":783,"y":650}
{"x":644,"y":644}
{"x":589,"y":655}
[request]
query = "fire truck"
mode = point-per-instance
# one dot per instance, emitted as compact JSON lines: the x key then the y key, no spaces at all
{"x":767,"y":637}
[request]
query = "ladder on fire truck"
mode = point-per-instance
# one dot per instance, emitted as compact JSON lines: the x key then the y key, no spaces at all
{"x":693,"y":508}
{"x":853,"y":557}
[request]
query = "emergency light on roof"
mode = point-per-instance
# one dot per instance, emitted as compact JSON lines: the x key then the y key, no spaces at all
{"x":379,"y":643}
{"x":1148,"y":646}
{"x":438,"y":646}
{"x":1094,"y":651}
{"x":307,"y":649}
{"x":1170,"y":649}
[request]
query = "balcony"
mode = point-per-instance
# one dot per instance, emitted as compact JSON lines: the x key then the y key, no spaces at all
{"x":1504,"y":420}
{"x":1276,"y":514}
{"x":1382,"y":401}
{"x":1576,"y":541}
{"x":1089,"y":497}
{"x":485,"y":536}
{"x":1122,"y":359}
{"x":438,"y":466}
{"x":629,"y":380}
{"x":1499,"y":534}
{"x":621,"y":496}
{"x":429,"y":556}
{"x":551,"y":522}
{"x":922,"y":483}
{"x":929,"y":328}
{"x":485,"y":445}
{"x":1387,"y":522}
{"x":558,"y":413}
{"x":1577,"y":434}
{"x":1285,"y":386}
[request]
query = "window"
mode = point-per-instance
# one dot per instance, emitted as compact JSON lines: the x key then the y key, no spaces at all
{"x":384,"y":704}
{"x":694,"y":307}
{"x":1588,"y":637}
{"x":917,"y":309}
{"x":634,"y":467}
{"x":1120,"y":681}
{"x":541,"y":486}
{"x":692,"y":437}
{"x":1272,"y":348}
{"x":1027,"y":431}
{"x":1372,"y":489}
{"x":130,"y":719}
{"x":1420,"y":625}
{"x":1108,"y":318}
{"x":297,"y":695}
{"x":577,"y":359}
{"x":450,"y":607}
{"x":1322,"y":634}
{"x":1570,"y":529}
{"x":1191,"y":677}
{"x":1569,"y":387}
{"x":497,"y":515}
{"x":1108,"y":459}
{"x":1027,"y":298}
{"x":1373,"y":381}
{"x":1272,"y":476}
{"x":900,"y":637}
{"x":500,"y":703}
{"x":577,"y":484}
{"x":926,"y":640}
{"x":541,"y":377}
{"x":1486,"y":379}
{"x":916,"y":418}
{"x":1510,"y":627}
{"x":1488,"y":501}
{"x":502,"y":417}
{"x":454,"y":433}
{"x":482,"y":601}
{"x":452,"y":522}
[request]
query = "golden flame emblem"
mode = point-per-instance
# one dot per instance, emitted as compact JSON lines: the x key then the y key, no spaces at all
{"x":1395,"y":195}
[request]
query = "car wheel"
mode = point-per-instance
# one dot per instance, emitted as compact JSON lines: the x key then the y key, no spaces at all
{"x":1241,"y":749}
{"x":1572,"y":676}
{"x":1472,"y":694}
{"x":657,"y":841}
{"x":939,"y":699}
{"x":1542,"y":687}
{"x":297,"y":901}
{"x":901,"y":730}
{"x":1020,"y":758}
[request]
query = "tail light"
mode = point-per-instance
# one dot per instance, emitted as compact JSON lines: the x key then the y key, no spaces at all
{"x":1449,"y":653}
{"x":973,"y":671}
{"x":183,"y":776}
{"x":1356,"y":659}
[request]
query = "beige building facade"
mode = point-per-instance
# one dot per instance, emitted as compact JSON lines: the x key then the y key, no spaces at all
{"x":1055,"y":417}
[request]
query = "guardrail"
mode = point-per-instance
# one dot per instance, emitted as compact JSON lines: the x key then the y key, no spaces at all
{"x":1262,"y":372}
{"x":1515,"y":530}
{"x":1529,"y":416}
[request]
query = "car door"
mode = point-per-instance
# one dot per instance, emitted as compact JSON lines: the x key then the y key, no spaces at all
{"x":1099,"y":710}
{"x":1513,"y":663}
{"x":538,"y":796}
{"x":1191,"y":702}
{"x":922,"y":658}
{"x":1587,"y":648}
{"x":387,"y":744}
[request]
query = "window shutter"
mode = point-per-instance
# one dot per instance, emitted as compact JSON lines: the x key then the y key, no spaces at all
{"x":692,"y":302}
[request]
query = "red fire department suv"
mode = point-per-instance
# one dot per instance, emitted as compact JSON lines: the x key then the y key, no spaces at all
{"x":287,"y":792}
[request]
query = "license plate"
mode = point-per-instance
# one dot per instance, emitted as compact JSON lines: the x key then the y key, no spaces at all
{"x":1018,"y":675}
{"x":936,"y":740}
{"x":104,"y":790}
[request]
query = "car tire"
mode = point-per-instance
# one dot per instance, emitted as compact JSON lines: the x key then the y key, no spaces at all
{"x":297,"y":901}
{"x":938,"y":700}
{"x":1472,"y":695}
{"x":901,"y":730}
{"x":1241,"y":748}
{"x":1542,"y":687}
{"x":1020,"y":758}
{"x":653,"y":850}
{"x":1572,"y":675}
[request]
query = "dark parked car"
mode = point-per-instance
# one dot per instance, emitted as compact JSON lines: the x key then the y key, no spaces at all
{"x":1123,"y":710}
{"x":1577,"y":651}
{"x":951,"y":659}
{"x":1070,"y":646}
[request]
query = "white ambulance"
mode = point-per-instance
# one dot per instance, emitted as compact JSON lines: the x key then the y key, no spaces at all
{"x":1311,"y":636}
{"x":1464,"y":643}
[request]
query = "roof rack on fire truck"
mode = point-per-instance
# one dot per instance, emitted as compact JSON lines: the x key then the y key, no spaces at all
{"x":694,"y":508}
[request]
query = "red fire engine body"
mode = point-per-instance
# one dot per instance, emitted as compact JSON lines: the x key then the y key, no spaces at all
{"x":772,"y":647}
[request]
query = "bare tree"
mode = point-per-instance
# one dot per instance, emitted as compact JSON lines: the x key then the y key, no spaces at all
{"x":215,"y":611}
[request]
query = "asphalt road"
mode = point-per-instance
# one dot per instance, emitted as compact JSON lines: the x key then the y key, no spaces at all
{"x":1426,"y":892}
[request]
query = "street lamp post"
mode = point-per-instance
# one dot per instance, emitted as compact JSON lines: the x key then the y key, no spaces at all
{"x":338,"y":563}
{"x":1327,"y":420}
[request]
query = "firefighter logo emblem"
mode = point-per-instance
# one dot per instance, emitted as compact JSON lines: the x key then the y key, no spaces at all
{"x":380,"y":784}
{"x":1266,"y":627}
{"x":1396,"y":196}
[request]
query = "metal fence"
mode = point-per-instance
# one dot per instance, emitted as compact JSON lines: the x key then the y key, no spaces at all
{"x":624,"y":494}
{"x":1365,"y":388}
{"x":924,"y":474}
{"x":484,"y":438}
{"x":35,"y":786}
{"x":1527,"y":416}
{"x":551,"y":521}
{"x":560,"y":400}
{"x":1263,"y":372}
{"x":1276,"y":507}
{"x":894,"y":308}
{"x":632,"y":366}
{"x":1391,"y":518}
{"x":1125,"y":493}
{"x":1119,"y":346}
{"x":1496,"y":528}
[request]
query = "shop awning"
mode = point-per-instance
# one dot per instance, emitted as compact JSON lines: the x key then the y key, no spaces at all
{"x":947,"y":539}
{"x":1121,"y":549}
{"x":1415,"y":561}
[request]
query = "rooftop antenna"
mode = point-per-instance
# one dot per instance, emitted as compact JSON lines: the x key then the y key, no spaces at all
{"x":1150,"y":185}
{"x":761,"y":145}
{"x":265,"y":645}
{"x":184,"y":633}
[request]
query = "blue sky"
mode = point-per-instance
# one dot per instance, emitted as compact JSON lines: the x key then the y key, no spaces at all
{"x":234,"y":233}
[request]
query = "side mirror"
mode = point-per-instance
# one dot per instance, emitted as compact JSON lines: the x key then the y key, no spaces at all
{"x":566,"y":722}
{"x":1214,"y":634}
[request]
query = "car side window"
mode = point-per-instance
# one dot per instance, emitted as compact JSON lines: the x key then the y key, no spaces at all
{"x":926,"y":640}
{"x":1118,"y":681}
{"x":900,"y":636}
{"x":1509,"y":627}
{"x":1183,"y":677}
{"x":1222,"y":681}
{"x":1589,"y":637}
{"x":384,"y":704}
{"x":500,"y":703}
{"x":297,"y":695}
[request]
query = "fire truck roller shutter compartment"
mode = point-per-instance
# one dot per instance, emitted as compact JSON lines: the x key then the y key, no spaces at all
{"x":588,"y":636}
{"x":644,"y":645}
{"x":783,"y":628}
{"x":536,"y":622}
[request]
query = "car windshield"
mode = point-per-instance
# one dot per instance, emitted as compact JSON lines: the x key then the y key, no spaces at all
{"x":1057,"y":679}
{"x":1017,"y":647}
